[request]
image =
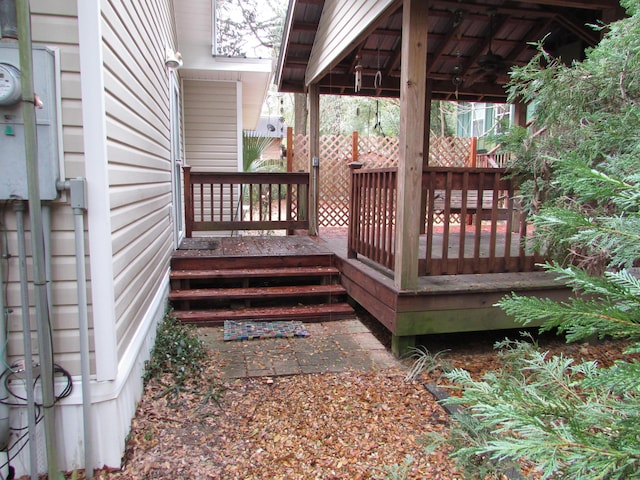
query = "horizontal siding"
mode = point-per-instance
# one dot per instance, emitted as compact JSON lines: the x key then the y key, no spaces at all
{"x":341,"y":24}
{"x":137,"y":107}
{"x":53,"y":24}
{"x":211,"y":125}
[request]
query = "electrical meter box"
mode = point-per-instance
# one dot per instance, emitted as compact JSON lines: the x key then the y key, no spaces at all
{"x":13,"y":163}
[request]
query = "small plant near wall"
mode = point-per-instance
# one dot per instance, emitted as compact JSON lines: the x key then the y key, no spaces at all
{"x":177,"y":356}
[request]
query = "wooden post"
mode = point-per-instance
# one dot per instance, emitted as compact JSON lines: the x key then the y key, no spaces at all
{"x":354,"y":147}
{"x":412,"y":104}
{"x":473,"y":153}
{"x":354,"y":212}
{"x":289,"y":169}
{"x":188,"y":202}
{"x":426,"y":150}
{"x":289,"y":149}
{"x":314,"y":156}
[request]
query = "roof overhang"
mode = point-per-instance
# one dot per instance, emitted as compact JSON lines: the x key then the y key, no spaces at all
{"x":194,"y":20}
{"x":471,"y":44}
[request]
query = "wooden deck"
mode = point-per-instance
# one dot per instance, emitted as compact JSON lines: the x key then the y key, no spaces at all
{"x":440,"y":304}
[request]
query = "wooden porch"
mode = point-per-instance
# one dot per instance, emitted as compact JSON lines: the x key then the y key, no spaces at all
{"x":472,"y":252}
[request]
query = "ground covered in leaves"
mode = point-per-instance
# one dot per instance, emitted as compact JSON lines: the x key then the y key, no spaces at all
{"x":353,"y":425}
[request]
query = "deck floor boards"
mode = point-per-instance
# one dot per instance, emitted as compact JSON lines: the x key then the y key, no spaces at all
{"x":252,"y":246}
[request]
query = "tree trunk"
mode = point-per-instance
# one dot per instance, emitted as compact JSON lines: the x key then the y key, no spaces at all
{"x":301,"y":112}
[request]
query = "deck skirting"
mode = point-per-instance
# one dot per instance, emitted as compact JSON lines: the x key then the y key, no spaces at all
{"x":444,"y":303}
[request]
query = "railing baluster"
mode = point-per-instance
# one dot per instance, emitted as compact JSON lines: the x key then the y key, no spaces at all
{"x":479,"y":213}
{"x":213,"y":198}
{"x":463,"y":221}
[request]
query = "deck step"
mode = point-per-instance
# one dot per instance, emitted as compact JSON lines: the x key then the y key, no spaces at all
{"x":277,"y":260}
{"x":256,"y":292}
{"x":309,"y":313}
{"x":253,"y":273}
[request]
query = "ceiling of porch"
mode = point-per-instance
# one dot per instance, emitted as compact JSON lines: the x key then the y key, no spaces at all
{"x":471,"y":45}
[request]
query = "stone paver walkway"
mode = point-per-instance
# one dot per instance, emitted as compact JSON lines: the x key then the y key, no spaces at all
{"x":335,"y":346}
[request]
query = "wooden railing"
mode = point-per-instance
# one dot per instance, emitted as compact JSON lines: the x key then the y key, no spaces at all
{"x":372,"y":215}
{"x":472,"y":223}
{"x":229,"y":201}
{"x":493,"y":159}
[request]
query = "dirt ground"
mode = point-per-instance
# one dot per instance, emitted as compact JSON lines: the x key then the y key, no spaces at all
{"x":349,"y":425}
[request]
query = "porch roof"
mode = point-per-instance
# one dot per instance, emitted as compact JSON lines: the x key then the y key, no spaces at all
{"x":471,"y":44}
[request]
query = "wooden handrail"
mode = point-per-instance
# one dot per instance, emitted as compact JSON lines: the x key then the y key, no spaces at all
{"x":229,"y":201}
{"x":473,"y":223}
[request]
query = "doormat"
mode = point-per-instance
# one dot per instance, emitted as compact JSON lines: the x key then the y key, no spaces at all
{"x":249,"y":330}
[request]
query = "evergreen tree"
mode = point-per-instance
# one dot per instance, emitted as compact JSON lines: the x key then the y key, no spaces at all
{"x":573,"y":420}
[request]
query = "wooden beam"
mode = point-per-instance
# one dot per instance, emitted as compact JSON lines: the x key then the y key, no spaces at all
{"x":413,"y":80}
{"x":519,"y":9}
{"x":314,"y":155}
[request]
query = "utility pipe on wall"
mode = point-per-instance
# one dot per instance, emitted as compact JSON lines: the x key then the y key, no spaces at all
{"x":77,"y":189}
{"x":4,"y":408}
{"x":19,"y":208}
{"x":23,"y":16}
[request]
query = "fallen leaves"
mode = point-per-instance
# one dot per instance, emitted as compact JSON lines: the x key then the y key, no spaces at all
{"x":353,"y":425}
{"x":350,"y":425}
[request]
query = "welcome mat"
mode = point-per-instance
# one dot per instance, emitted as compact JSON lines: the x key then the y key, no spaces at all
{"x":249,"y":330}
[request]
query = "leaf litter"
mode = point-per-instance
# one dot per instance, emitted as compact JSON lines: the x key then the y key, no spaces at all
{"x":349,"y":425}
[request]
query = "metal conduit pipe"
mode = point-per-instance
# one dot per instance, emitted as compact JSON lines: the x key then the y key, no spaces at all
{"x":45,"y":353}
{"x":4,"y":408}
{"x":77,"y":189}
{"x":19,"y":208}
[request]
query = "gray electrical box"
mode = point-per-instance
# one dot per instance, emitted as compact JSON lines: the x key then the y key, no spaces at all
{"x":13,"y":165}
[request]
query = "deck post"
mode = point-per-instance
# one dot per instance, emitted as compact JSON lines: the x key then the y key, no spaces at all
{"x":427,"y":149}
{"x":400,"y":346}
{"x":188,"y":202}
{"x":413,"y":82}
{"x":314,"y":156}
{"x":289,"y":149}
{"x":473,"y":153}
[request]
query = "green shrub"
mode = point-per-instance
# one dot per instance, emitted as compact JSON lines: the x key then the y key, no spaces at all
{"x":178,"y":352}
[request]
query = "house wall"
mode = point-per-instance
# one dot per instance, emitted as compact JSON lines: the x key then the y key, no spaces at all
{"x":212,"y":125}
{"x":341,"y":25}
{"x":115,"y":132}
{"x":136,"y":88}
{"x":59,"y":21}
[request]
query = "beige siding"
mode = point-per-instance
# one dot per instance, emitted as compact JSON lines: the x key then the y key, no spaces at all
{"x":54,"y":24}
{"x":211,"y":125}
{"x":135,"y":35}
{"x":137,"y":105}
{"x":342,"y":23}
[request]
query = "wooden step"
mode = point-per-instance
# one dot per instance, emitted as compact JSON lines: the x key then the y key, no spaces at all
{"x":321,"y":312}
{"x":253,"y":273}
{"x":199,"y":262}
{"x":256,"y":292}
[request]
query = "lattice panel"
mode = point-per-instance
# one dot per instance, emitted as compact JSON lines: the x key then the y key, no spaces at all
{"x":449,"y":151}
{"x":300,"y":153}
{"x":374,"y":152}
{"x":378,"y":152}
{"x":335,"y":156}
